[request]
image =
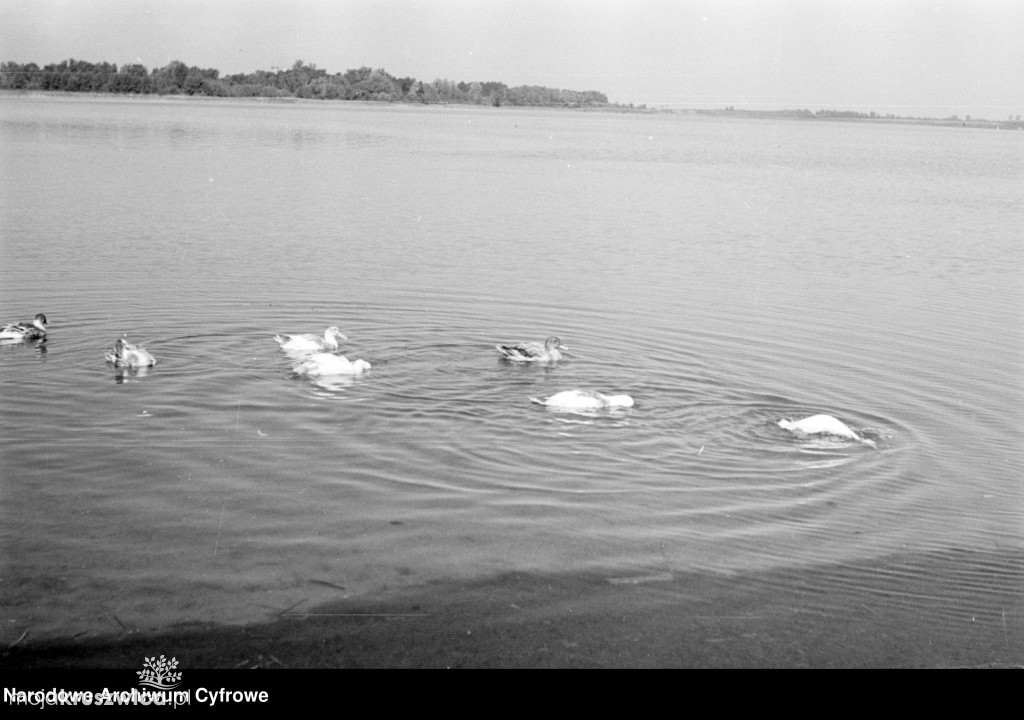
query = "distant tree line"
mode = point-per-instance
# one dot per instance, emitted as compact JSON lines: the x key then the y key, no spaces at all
{"x":838,"y":114}
{"x":854,"y":115}
{"x":299,"y":81}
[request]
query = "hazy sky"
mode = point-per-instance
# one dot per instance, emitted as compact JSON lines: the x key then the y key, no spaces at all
{"x":908,"y":57}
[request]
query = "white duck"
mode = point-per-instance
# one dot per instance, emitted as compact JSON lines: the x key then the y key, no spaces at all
{"x":36,"y":330}
{"x":310,"y":342}
{"x":124,"y":354}
{"x":824,"y":425}
{"x":321,"y":364}
{"x":585,"y":400}
{"x":548,"y":351}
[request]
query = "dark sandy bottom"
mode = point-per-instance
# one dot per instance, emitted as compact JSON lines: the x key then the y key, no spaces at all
{"x":894,"y":613}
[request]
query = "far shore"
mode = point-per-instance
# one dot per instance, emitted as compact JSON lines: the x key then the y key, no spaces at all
{"x":797,"y":115}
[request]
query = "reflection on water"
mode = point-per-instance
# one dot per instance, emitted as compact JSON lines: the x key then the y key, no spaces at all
{"x":725,"y":274}
{"x":37,"y":346}
{"x":128,"y":374}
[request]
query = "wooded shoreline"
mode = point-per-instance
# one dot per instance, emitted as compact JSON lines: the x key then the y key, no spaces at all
{"x":308,"y":82}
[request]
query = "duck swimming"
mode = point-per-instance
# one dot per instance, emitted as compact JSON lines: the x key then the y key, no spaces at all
{"x":321,"y":364}
{"x":124,"y":354}
{"x":310,"y":342}
{"x":824,"y":425}
{"x":585,"y":400}
{"x":548,"y":351}
{"x":36,"y":330}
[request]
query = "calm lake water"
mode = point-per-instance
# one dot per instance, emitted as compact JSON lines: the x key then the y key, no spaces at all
{"x":726,"y":273}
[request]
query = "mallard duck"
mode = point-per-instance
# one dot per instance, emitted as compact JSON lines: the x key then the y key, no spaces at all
{"x":124,"y":354}
{"x":548,"y":351}
{"x":35,"y":330}
{"x":824,"y":425}
{"x":585,"y":400}
{"x":310,"y":342}
{"x":320,"y":364}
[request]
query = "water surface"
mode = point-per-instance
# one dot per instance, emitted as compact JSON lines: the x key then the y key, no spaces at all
{"x":725,"y":273}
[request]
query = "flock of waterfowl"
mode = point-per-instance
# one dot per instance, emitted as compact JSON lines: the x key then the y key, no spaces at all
{"x":316,"y":356}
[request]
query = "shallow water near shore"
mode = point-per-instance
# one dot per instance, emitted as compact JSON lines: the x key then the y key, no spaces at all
{"x":724,"y":273}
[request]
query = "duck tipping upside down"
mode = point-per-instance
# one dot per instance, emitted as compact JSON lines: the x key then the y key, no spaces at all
{"x":824,"y":425}
{"x":321,"y":364}
{"x":585,"y":400}
{"x":548,"y":351}
{"x":124,"y":354}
